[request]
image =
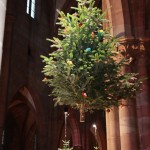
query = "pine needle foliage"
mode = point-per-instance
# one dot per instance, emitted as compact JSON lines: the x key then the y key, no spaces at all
{"x":85,"y":68}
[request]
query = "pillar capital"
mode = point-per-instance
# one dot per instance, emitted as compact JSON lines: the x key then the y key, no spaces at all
{"x":134,"y":47}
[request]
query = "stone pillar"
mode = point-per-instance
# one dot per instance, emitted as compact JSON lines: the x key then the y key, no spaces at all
{"x":128,"y":126}
{"x":2,"y":24}
{"x":143,"y":106}
{"x":4,"y":70}
{"x":112,"y":129}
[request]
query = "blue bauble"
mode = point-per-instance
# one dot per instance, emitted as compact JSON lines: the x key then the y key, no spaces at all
{"x":88,"y":49}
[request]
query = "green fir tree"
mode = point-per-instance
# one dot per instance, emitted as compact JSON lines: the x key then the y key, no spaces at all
{"x":85,"y":69}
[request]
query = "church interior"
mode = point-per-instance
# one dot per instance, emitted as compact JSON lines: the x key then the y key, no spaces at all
{"x":28,"y":118}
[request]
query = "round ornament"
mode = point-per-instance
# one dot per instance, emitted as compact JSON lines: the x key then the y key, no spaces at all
{"x":88,"y":49}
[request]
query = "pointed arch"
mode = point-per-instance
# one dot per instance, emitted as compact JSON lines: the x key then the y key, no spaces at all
{"x":72,"y":130}
{"x":20,"y":125}
{"x":98,"y":133}
{"x":75,"y":129}
{"x":25,"y":92}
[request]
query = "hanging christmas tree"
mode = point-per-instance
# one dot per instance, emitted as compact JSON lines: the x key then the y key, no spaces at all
{"x":84,"y":70}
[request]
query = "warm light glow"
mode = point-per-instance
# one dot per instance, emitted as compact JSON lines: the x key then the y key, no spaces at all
{"x":65,"y":113}
{"x":94,"y":126}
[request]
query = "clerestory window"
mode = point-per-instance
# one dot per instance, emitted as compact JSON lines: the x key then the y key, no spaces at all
{"x":30,"y":9}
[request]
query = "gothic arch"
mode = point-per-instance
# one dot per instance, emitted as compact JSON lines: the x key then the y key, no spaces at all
{"x":72,"y":130}
{"x":75,"y":129}
{"x":20,"y":124}
{"x":25,"y":92}
{"x":82,"y":135}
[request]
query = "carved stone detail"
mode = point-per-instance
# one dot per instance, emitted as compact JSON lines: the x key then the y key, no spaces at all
{"x":134,"y":48}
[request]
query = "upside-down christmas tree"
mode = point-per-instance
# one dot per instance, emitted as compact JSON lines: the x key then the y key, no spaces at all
{"x":84,"y":70}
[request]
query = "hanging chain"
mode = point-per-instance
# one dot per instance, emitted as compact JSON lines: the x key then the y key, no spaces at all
{"x":66,"y":115}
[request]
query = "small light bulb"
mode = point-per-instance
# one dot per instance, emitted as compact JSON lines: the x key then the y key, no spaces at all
{"x":94,"y":126}
{"x":65,"y":113}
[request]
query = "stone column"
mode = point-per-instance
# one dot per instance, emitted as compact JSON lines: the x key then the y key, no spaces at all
{"x":2,"y":24}
{"x":127,"y":113}
{"x":128,"y":126}
{"x":112,"y":129}
{"x":143,"y":105}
